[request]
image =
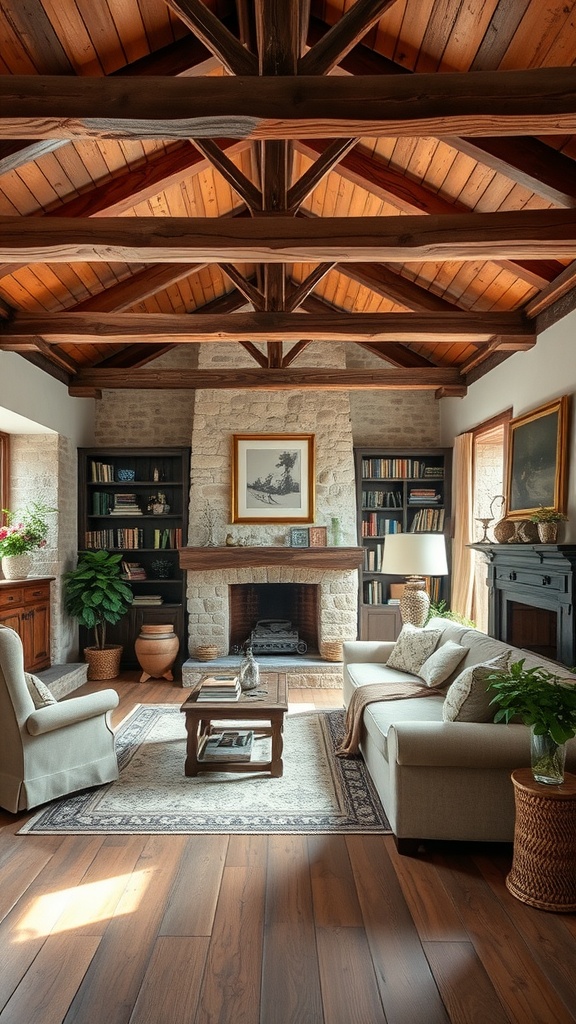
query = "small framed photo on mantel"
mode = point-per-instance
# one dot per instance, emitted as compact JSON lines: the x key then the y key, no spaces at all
{"x":299,"y":537}
{"x":318,"y":536}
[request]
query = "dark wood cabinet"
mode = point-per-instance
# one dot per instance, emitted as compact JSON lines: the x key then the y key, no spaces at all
{"x":25,"y":607}
{"x":134,"y":501}
{"x":397,"y":491}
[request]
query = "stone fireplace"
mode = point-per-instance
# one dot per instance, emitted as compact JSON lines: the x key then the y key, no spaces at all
{"x":213,"y":572}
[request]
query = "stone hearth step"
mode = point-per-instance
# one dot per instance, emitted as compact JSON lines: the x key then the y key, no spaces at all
{"x":302,"y":671}
{"x":63,"y":679}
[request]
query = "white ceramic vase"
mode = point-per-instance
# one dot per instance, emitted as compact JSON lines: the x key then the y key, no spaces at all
{"x":17,"y":567}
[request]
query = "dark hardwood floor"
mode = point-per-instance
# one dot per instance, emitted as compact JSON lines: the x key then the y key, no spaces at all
{"x":270,"y":929}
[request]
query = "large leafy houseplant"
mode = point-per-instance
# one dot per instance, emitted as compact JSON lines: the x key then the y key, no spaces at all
{"x":95,"y":594}
{"x":544,"y":702}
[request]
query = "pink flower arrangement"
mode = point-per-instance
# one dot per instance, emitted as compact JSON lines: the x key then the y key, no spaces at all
{"x":26,"y":534}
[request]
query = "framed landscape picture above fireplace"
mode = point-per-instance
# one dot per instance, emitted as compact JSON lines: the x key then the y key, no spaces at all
{"x":537,"y":473}
{"x":273,"y":477}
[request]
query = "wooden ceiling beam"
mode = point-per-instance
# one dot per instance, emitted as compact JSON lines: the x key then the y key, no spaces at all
{"x":307,"y":286}
{"x":323,"y":164}
{"x":342,"y":36}
{"x":310,"y":379}
{"x":207,"y":27}
{"x":270,"y":239}
{"x":235,"y":178}
{"x":388,"y":283}
{"x":150,"y":328}
{"x":249,"y":290}
{"x":527,"y":161}
{"x":136,"y":288}
{"x":411,"y":196}
{"x":541,"y":101}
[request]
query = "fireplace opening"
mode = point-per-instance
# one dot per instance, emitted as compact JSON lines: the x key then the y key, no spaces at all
{"x":293,"y":603}
{"x":533,"y":629}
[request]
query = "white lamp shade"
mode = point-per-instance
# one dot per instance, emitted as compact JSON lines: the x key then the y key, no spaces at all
{"x":415,"y":554}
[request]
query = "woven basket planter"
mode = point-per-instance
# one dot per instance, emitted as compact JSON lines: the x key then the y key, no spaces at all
{"x":103,"y":662}
{"x":206,"y":652}
{"x":331,"y":650}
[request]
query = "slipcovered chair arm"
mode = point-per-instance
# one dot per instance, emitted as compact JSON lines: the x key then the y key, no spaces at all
{"x":374,"y":652}
{"x":459,"y":744}
{"x":67,"y":712}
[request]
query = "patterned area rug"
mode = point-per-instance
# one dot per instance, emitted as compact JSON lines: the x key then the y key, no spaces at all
{"x":318,"y":793}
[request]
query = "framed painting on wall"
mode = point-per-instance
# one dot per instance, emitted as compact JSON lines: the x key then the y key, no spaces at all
{"x":273,"y":478}
{"x":537,"y":471}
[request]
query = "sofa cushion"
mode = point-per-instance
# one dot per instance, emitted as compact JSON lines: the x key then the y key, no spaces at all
{"x":412,"y":648}
{"x":378,"y":717}
{"x":468,"y":698}
{"x":39,"y":692}
{"x":442,"y":663}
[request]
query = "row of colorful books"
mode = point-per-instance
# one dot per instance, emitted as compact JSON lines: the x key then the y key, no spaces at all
{"x":382,"y":499}
{"x":376,"y":524}
{"x":383,"y":468}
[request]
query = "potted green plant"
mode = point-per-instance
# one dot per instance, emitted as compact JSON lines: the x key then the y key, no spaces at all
{"x":544,"y":702}
{"x":547,"y":520}
{"x":23,"y":533}
{"x":96,"y":595}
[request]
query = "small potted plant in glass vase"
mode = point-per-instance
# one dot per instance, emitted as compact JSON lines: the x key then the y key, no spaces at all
{"x":547,"y":520}
{"x":547,"y":704}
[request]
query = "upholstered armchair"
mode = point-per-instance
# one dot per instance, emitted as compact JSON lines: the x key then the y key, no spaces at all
{"x":49,"y":748}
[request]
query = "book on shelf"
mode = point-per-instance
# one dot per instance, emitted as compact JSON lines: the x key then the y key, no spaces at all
{"x":381,"y":499}
{"x":168,"y":538}
{"x":219,"y":688}
{"x":229,"y":745}
{"x":125,"y":505}
{"x":428,"y":520}
{"x":377,"y":524}
{"x":142,"y":600}
{"x":398,"y":469}
{"x":102,"y":473}
{"x":133,"y":571}
{"x":102,"y":503}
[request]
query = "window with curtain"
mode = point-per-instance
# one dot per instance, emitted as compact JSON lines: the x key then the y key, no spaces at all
{"x":488,"y":468}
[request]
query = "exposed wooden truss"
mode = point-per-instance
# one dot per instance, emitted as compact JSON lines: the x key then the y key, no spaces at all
{"x":278,"y":103}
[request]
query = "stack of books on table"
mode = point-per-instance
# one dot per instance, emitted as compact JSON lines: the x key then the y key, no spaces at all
{"x":230,"y":745}
{"x":219,"y":688}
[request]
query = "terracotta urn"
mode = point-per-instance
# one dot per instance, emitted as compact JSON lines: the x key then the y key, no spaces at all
{"x":156,"y":648}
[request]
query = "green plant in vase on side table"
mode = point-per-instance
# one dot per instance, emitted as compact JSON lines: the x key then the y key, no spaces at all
{"x":23,"y":533}
{"x":544,"y":702}
{"x":96,"y":595}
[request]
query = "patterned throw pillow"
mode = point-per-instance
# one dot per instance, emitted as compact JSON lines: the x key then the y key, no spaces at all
{"x":39,"y":692}
{"x":442,"y":663}
{"x":412,"y":648}
{"x":468,"y":698}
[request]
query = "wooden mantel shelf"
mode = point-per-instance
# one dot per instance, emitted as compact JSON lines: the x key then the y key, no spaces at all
{"x":206,"y":558}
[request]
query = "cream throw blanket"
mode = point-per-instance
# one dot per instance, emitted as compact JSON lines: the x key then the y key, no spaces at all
{"x":369,"y":694}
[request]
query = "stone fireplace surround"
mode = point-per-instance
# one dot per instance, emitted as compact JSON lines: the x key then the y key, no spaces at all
{"x":211,"y":571}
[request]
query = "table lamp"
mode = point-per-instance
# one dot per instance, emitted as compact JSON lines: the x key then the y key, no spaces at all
{"x":415,"y":555}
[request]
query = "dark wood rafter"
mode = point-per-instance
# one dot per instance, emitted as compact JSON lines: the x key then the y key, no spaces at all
{"x":297,"y":296}
{"x":107,"y":328}
{"x":215,"y":36}
{"x":310,"y":379}
{"x":326,"y":162}
{"x":269,"y":239}
{"x":249,"y":290}
{"x":238,"y":181}
{"x":411,"y":196}
{"x":292,"y":354}
{"x":541,"y":101}
{"x":341,"y":37}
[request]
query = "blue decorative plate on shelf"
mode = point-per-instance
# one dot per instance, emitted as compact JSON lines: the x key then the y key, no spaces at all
{"x":126,"y":474}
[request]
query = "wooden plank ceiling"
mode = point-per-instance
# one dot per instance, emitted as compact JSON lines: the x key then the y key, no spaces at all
{"x":393,"y":174}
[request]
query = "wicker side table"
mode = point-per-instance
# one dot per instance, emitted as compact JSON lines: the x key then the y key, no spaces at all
{"x":543,"y":871}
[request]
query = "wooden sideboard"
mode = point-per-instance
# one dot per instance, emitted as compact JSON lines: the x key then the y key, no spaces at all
{"x":25,"y":607}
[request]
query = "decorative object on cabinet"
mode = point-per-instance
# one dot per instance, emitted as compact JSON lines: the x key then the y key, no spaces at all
{"x":299,"y":537}
{"x":537,"y":471}
{"x":398,"y":492}
{"x":415,"y":555}
{"x":95,"y":594}
{"x":273,"y":478}
{"x":22,"y":533}
{"x":144,"y":536}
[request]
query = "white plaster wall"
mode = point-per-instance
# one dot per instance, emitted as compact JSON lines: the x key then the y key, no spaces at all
{"x":524,"y":381}
{"x":42,"y":402}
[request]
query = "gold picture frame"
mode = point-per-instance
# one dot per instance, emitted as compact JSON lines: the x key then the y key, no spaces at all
{"x":537,"y":463}
{"x":273,"y":478}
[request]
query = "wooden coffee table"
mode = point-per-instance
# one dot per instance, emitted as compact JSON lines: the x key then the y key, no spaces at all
{"x":263,"y":712}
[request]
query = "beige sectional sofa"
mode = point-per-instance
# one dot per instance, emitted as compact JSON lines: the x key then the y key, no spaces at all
{"x":439,"y":779}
